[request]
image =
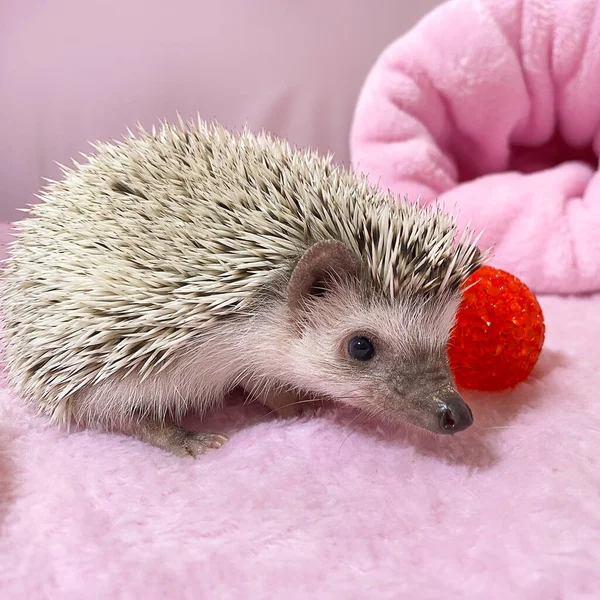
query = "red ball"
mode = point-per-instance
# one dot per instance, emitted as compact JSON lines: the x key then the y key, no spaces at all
{"x":499,"y":332}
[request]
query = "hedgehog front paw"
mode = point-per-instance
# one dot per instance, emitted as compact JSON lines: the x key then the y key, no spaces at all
{"x":194,"y":443}
{"x":287,"y":404}
{"x":176,"y":440}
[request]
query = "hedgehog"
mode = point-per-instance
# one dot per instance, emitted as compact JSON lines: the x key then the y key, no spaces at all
{"x":175,"y":265}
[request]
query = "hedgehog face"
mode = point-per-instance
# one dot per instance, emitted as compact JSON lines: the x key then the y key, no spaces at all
{"x":385,"y":357}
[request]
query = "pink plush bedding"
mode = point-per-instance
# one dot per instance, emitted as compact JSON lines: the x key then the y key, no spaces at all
{"x":493,"y":107}
{"x":321,"y":507}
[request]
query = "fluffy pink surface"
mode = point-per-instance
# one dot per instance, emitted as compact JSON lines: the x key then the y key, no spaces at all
{"x":500,"y":96}
{"x":323,"y":506}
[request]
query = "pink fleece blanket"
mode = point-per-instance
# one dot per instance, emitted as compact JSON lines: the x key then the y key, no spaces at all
{"x":493,"y":107}
{"x":322,"y":507}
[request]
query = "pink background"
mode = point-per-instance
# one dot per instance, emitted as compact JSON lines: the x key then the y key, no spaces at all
{"x":75,"y":71}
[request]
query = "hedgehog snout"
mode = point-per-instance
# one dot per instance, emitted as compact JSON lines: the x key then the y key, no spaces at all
{"x":454,"y":414}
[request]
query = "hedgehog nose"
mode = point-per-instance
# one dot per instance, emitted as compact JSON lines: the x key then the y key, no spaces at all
{"x":454,"y":414}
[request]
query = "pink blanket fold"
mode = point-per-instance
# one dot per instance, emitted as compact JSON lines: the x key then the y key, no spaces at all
{"x":493,"y":107}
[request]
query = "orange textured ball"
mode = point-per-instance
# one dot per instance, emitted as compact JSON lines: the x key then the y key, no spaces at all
{"x":499,"y":332}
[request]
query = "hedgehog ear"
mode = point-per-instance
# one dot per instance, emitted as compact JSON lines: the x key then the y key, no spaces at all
{"x":322,"y":264}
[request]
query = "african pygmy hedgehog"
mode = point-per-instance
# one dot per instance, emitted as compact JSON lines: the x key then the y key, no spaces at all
{"x":176,"y":265}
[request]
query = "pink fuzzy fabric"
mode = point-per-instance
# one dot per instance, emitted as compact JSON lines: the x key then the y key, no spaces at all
{"x":324,"y":506}
{"x":501,"y":96}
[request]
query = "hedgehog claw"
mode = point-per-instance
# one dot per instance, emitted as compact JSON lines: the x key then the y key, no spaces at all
{"x":199,"y":442}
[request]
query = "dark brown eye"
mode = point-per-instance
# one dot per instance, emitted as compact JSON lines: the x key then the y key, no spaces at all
{"x":361,"y":348}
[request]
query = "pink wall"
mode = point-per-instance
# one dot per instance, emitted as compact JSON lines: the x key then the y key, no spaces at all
{"x":73,"y":71}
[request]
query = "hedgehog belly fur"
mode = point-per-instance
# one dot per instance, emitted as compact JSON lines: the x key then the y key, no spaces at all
{"x":139,"y":272}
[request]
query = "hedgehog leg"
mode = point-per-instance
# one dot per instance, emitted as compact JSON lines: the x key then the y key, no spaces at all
{"x":286,"y":403}
{"x":176,"y":440}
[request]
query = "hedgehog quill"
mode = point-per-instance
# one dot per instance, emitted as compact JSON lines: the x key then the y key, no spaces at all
{"x":178,"y":264}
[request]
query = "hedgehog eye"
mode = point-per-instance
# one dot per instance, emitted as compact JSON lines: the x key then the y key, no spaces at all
{"x":361,"y":348}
